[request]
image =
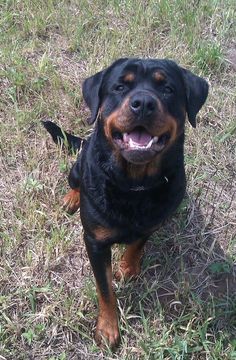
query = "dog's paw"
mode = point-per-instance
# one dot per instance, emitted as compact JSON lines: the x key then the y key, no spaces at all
{"x":71,"y":201}
{"x":107,"y":332}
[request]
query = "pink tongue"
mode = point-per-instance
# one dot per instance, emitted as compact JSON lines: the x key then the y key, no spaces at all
{"x":139,"y":136}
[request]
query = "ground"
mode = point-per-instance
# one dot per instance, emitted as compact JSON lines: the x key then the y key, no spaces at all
{"x":182,"y":306}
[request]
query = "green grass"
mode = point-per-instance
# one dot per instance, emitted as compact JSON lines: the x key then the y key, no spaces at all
{"x":183,"y":304}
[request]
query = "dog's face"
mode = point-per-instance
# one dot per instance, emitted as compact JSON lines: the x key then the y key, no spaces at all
{"x":143,"y":104}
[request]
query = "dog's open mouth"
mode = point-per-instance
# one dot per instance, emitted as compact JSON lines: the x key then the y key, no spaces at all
{"x":140,"y":139}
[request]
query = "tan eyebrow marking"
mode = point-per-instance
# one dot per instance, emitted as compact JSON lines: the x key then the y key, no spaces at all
{"x":159,"y":76}
{"x":129,"y":77}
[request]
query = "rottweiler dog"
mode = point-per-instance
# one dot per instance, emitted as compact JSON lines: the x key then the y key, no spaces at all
{"x":129,"y":175}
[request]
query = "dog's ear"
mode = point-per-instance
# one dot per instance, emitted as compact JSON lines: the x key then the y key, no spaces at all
{"x":196,"y":91}
{"x":91,"y":90}
{"x":91,"y":93}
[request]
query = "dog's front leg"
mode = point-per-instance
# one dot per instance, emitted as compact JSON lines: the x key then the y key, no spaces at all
{"x":107,"y":323}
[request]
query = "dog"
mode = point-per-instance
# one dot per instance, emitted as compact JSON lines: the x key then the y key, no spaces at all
{"x":129,"y":175}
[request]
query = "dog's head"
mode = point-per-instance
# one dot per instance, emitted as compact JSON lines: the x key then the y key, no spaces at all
{"x":142,"y":105}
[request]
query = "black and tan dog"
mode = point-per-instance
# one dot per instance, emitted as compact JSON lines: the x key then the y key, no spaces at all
{"x":129,"y":176}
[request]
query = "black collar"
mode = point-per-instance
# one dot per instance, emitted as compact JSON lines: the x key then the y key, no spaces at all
{"x":143,"y":188}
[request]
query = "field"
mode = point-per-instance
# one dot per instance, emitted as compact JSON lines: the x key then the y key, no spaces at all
{"x":183,"y":305}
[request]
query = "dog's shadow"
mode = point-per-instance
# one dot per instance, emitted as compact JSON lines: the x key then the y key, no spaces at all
{"x":185,"y":270}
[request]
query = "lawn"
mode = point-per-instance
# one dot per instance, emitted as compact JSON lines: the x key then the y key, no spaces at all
{"x":183,"y":305}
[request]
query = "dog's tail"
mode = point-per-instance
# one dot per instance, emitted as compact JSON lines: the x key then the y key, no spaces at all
{"x":70,"y":142}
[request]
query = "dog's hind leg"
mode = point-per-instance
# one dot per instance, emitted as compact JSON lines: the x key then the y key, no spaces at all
{"x":71,"y":200}
{"x":71,"y":143}
{"x":131,"y":260}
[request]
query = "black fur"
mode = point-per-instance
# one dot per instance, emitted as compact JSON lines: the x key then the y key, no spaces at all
{"x":131,"y":206}
{"x":70,"y":142}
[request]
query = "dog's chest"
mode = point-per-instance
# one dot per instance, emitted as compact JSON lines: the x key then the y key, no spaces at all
{"x":137,"y":209}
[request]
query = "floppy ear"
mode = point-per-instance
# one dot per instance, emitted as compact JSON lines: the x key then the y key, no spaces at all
{"x":91,"y":90}
{"x":197,"y":91}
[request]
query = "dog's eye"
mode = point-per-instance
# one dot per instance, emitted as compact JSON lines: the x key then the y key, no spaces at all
{"x":119,"y":87}
{"x":168,"y":90}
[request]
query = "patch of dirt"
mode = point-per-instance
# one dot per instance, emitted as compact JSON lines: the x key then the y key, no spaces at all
{"x":231,"y":56}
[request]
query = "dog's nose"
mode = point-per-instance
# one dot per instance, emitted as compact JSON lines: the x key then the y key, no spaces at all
{"x":143,"y":104}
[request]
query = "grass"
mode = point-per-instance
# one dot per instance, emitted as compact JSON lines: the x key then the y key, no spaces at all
{"x":183,"y":304}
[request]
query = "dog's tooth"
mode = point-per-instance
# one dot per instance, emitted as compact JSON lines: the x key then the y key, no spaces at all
{"x":155,"y":139}
{"x":150,"y":143}
{"x":125,"y":137}
{"x":134,"y":145}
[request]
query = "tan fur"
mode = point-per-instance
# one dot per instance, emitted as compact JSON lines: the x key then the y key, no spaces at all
{"x":159,"y":76}
{"x":102,"y":233}
{"x":107,"y":324}
{"x":129,"y":77}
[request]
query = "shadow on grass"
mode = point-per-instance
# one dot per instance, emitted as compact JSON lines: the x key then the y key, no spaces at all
{"x":187,"y":276}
